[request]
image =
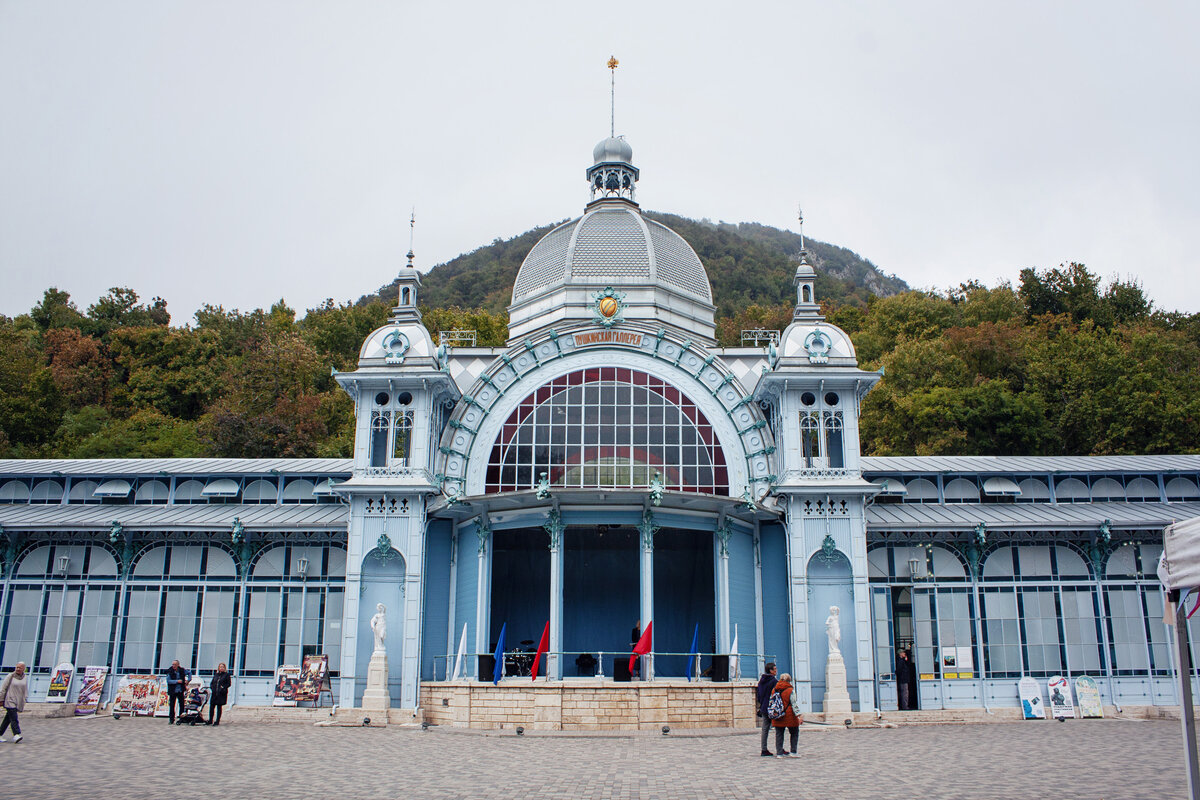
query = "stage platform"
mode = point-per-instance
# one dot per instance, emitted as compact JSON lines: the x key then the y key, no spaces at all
{"x":589,"y":704}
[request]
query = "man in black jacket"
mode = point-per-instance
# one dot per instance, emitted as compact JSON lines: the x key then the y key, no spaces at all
{"x":221,"y":681}
{"x":904,"y":675}
{"x":766,"y":685}
{"x":177,"y":682}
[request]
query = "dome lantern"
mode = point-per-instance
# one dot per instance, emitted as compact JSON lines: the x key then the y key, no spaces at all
{"x":612,"y":175}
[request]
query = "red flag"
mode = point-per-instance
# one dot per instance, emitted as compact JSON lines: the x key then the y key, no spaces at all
{"x":642,"y":647}
{"x":543,"y":646}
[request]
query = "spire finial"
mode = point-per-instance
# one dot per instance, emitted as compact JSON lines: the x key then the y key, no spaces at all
{"x":800,"y":216}
{"x":412,"y":229}
{"x":612,"y":95}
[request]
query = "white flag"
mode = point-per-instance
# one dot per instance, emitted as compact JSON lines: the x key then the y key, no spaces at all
{"x":734,"y":672}
{"x":462,"y":646}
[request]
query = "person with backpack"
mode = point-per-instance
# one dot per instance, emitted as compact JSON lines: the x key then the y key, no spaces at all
{"x":781,"y":708}
{"x":766,"y":684}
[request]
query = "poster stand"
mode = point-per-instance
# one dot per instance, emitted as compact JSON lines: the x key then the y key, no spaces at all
{"x":314,"y":682}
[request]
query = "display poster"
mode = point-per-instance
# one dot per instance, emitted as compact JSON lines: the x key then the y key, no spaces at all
{"x":966,"y":662}
{"x":287,"y":684}
{"x":138,"y":695}
{"x":164,"y":699}
{"x":1062,"y":704}
{"x":60,"y":683}
{"x":1090,"y":706}
{"x":91,"y":690}
{"x":1031,"y":699}
{"x":312,"y":678}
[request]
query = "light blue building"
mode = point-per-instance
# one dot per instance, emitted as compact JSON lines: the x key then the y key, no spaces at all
{"x":611,"y":466}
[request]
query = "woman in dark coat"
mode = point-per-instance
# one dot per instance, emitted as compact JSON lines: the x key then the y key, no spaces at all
{"x":791,"y":716}
{"x":221,"y":681}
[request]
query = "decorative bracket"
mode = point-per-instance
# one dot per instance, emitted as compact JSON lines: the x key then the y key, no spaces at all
{"x":724,"y":531}
{"x":647,"y":528}
{"x":554,"y":527}
{"x":828,"y":552}
{"x":483,"y":530}
{"x":383,"y":549}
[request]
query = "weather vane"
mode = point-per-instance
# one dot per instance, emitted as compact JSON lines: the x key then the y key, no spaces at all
{"x":412,"y":229}
{"x":612,"y":66}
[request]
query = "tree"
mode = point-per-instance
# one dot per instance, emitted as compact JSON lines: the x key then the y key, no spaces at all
{"x":56,"y":311}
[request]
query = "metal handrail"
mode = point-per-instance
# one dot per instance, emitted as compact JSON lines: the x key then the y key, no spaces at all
{"x":523,"y":660}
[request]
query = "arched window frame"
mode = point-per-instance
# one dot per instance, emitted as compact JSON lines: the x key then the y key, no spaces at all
{"x":568,"y":444}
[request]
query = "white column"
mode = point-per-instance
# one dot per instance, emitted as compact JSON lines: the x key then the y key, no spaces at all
{"x":554,"y":527}
{"x":721,"y":540}
{"x":483,"y":593}
{"x":647,"y":529}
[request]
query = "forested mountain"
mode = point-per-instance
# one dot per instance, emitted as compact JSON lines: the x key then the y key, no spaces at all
{"x":1058,"y":365}
{"x":747,"y":264}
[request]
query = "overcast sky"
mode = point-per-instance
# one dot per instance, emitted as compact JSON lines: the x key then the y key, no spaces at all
{"x":234,"y":153}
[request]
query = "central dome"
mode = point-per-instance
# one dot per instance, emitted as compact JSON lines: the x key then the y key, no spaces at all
{"x":651,"y":273}
{"x":612,"y":244}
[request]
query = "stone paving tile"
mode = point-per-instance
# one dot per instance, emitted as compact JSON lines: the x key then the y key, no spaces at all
{"x":139,"y":758}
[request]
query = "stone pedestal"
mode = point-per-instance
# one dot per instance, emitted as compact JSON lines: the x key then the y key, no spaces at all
{"x":837,"y":699}
{"x":376,"y":696}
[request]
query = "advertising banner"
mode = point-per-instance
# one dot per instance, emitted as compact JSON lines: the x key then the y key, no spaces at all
{"x":60,"y":683}
{"x":138,"y":695}
{"x":1031,"y":699}
{"x":1061,"y":703}
{"x":164,"y":700}
{"x":90,"y":692}
{"x":287,"y":684}
{"x":1088,"y":693}
{"x":312,"y":678}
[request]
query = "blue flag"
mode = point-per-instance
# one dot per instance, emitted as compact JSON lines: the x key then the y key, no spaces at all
{"x":695,"y":651}
{"x":498,"y":672}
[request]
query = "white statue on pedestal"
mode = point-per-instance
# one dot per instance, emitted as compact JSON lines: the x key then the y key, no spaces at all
{"x":379,"y":628}
{"x":833,"y":629}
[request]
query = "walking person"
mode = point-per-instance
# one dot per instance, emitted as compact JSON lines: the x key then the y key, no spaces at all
{"x":766,"y":685}
{"x":13,"y":692}
{"x":904,"y":671}
{"x":177,"y":683}
{"x":221,"y":681}
{"x":790,"y":719}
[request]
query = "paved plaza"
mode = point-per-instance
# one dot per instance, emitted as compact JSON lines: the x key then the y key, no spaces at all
{"x":140,"y":758}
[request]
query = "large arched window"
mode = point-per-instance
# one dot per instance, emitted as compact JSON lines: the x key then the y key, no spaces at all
{"x":608,"y":427}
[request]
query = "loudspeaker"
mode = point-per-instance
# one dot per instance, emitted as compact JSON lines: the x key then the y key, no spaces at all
{"x":720,"y":669}
{"x":621,"y":670}
{"x":487,"y":668}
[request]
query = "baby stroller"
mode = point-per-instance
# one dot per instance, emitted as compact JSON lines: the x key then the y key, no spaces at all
{"x":193,"y":704}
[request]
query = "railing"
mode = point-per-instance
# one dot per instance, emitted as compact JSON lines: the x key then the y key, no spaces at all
{"x":394,"y":471}
{"x":758,"y":337}
{"x":808,"y":473}
{"x":519,"y":663}
{"x":459,"y":338}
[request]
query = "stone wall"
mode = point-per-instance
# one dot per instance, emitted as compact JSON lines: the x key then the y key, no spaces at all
{"x":571,"y":706}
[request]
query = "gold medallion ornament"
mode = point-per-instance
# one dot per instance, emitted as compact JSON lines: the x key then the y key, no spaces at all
{"x":607,"y":307}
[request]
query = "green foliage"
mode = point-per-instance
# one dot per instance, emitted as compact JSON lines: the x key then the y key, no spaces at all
{"x":1060,"y":365}
{"x":491,"y":329}
{"x":1092,"y":373}
{"x":1073,"y":291}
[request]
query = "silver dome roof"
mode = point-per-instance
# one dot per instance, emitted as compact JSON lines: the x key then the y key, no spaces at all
{"x":612,"y":244}
{"x":614,"y":148}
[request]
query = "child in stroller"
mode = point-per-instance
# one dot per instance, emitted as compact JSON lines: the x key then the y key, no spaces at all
{"x":194,"y":703}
